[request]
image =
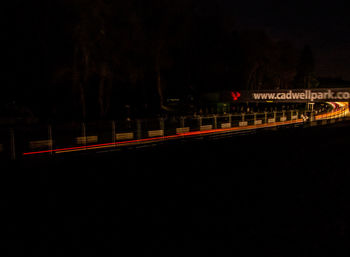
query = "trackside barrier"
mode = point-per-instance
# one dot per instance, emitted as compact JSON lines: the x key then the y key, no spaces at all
{"x":182,"y":130}
{"x":283,"y":119}
{"x":206,"y":127}
{"x":86,"y":140}
{"x":156,"y":133}
{"x":124,"y":136}
{"x":84,"y":136}
{"x":226,"y":125}
{"x":40,"y":144}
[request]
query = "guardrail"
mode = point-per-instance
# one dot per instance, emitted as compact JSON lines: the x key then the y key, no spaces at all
{"x":49,"y":140}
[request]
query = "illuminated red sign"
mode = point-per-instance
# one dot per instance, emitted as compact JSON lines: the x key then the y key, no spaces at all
{"x":235,"y":95}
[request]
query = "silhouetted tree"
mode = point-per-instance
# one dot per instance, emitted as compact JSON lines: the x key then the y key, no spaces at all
{"x":99,"y":56}
{"x":257,"y":59}
{"x":284,"y":65}
{"x":267,"y":64}
{"x":305,"y":77}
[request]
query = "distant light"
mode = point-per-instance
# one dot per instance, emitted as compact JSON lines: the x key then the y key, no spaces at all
{"x":235,"y":95}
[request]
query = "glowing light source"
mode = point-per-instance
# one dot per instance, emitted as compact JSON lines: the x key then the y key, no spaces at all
{"x":235,"y":95}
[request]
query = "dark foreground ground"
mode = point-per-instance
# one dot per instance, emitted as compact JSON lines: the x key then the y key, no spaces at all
{"x":280,"y":193}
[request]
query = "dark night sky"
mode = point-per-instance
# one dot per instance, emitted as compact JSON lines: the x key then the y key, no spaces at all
{"x":325,"y":25}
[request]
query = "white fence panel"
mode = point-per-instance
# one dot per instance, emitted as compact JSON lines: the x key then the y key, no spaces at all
{"x":86,"y":140}
{"x":258,"y":122}
{"x":124,"y":136}
{"x":206,"y":127}
{"x":156,"y":133}
{"x":182,"y":130}
{"x":39,"y":144}
{"x":226,"y":125}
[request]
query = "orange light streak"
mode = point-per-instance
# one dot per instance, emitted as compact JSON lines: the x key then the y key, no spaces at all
{"x":155,"y":139}
{"x":344,"y":109}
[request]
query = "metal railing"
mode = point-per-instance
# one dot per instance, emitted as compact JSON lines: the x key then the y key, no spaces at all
{"x":48,"y":139}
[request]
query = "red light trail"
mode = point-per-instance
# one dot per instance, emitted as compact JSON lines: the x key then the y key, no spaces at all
{"x":155,"y":139}
{"x":344,"y":108}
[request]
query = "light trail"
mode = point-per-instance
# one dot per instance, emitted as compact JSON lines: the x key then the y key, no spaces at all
{"x":339,"y":109}
{"x":156,"y":139}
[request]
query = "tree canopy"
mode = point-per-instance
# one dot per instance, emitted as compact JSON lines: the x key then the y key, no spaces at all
{"x":93,"y":59}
